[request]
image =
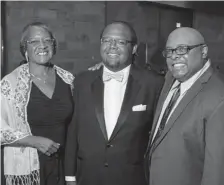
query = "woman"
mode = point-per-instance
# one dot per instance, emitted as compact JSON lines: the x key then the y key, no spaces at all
{"x":37,"y":105}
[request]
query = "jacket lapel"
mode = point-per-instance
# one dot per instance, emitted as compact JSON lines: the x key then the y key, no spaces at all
{"x":161,"y":100}
{"x":165,"y":90}
{"x":98,"y":97}
{"x":131,"y":92}
{"x":188,"y":97}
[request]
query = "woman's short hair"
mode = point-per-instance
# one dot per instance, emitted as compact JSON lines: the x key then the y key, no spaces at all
{"x":23,"y":41}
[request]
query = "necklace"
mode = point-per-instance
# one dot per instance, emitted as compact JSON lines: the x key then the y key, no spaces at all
{"x":38,"y":78}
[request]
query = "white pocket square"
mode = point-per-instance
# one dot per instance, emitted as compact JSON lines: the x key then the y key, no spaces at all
{"x":139,"y":107}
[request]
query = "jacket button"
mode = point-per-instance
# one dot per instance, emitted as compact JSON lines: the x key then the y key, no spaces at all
{"x":108,"y":145}
{"x":106,"y":165}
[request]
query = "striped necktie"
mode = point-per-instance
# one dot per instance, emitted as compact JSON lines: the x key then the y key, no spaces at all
{"x":167,"y":111}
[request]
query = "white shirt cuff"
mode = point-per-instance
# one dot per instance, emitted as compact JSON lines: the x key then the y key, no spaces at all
{"x":70,"y":178}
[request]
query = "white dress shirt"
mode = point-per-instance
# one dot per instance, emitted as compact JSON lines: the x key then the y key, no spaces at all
{"x":113,"y":99}
{"x":184,"y":86}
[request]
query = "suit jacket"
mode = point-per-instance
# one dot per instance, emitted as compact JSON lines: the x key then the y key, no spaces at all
{"x":190,"y":151}
{"x":90,"y":155}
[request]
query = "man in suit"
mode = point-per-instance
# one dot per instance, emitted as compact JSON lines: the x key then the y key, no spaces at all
{"x":114,"y":106}
{"x":186,"y":145}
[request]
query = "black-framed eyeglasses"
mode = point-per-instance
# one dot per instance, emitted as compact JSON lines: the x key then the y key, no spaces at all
{"x":119,"y":42}
{"x":180,"y":50}
{"x":37,"y":42}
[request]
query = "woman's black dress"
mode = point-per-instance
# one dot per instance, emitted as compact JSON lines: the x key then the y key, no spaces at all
{"x":49,"y":118}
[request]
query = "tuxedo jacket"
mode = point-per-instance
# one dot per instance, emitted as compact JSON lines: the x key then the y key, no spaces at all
{"x":90,"y":155}
{"x":190,"y":150}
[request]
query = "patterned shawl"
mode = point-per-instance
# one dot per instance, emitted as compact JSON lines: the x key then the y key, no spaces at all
{"x":21,"y":164}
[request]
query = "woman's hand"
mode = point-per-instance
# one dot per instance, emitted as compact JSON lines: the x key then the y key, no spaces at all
{"x":44,"y":145}
{"x":95,"y":67}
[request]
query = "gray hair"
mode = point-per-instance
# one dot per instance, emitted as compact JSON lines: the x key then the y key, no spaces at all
{"x":23,"y":40}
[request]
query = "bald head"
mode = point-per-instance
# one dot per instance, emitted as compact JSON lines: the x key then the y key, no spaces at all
{"x":185,"y":35}
{"x":187,"y":53}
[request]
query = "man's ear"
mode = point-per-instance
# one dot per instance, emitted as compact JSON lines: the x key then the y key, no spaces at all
{"x":134,"y":50}
{"x":204,"y":51}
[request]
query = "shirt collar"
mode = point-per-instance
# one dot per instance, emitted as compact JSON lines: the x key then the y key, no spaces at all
{"x":188,"y":83}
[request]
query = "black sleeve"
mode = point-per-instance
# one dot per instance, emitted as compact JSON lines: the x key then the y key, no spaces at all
{"x":71,"y":145}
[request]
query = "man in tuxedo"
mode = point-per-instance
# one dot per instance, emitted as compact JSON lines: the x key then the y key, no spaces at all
{"x":186,"y":145}
{"x":113,"y":115}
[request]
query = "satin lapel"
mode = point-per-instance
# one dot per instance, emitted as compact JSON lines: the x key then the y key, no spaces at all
{"x":131,"y":92}
{"x":189,"y":96}
{"x":98,"y":97}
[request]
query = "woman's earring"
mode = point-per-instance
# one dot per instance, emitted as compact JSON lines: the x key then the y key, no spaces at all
{"x":26,"y":56}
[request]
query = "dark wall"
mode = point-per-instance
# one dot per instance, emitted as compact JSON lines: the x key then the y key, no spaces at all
{"x":77,"y":26}
{"x":215,"y":7}
{"x":3,"y":38}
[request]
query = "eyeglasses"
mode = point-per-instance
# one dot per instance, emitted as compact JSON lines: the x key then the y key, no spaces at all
{"x":180,"y":50}
{"x":119,"y":42}
{"x":35,"y":42}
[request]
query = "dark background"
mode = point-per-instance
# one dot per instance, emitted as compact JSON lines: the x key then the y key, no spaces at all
{"x":77,"y":26}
